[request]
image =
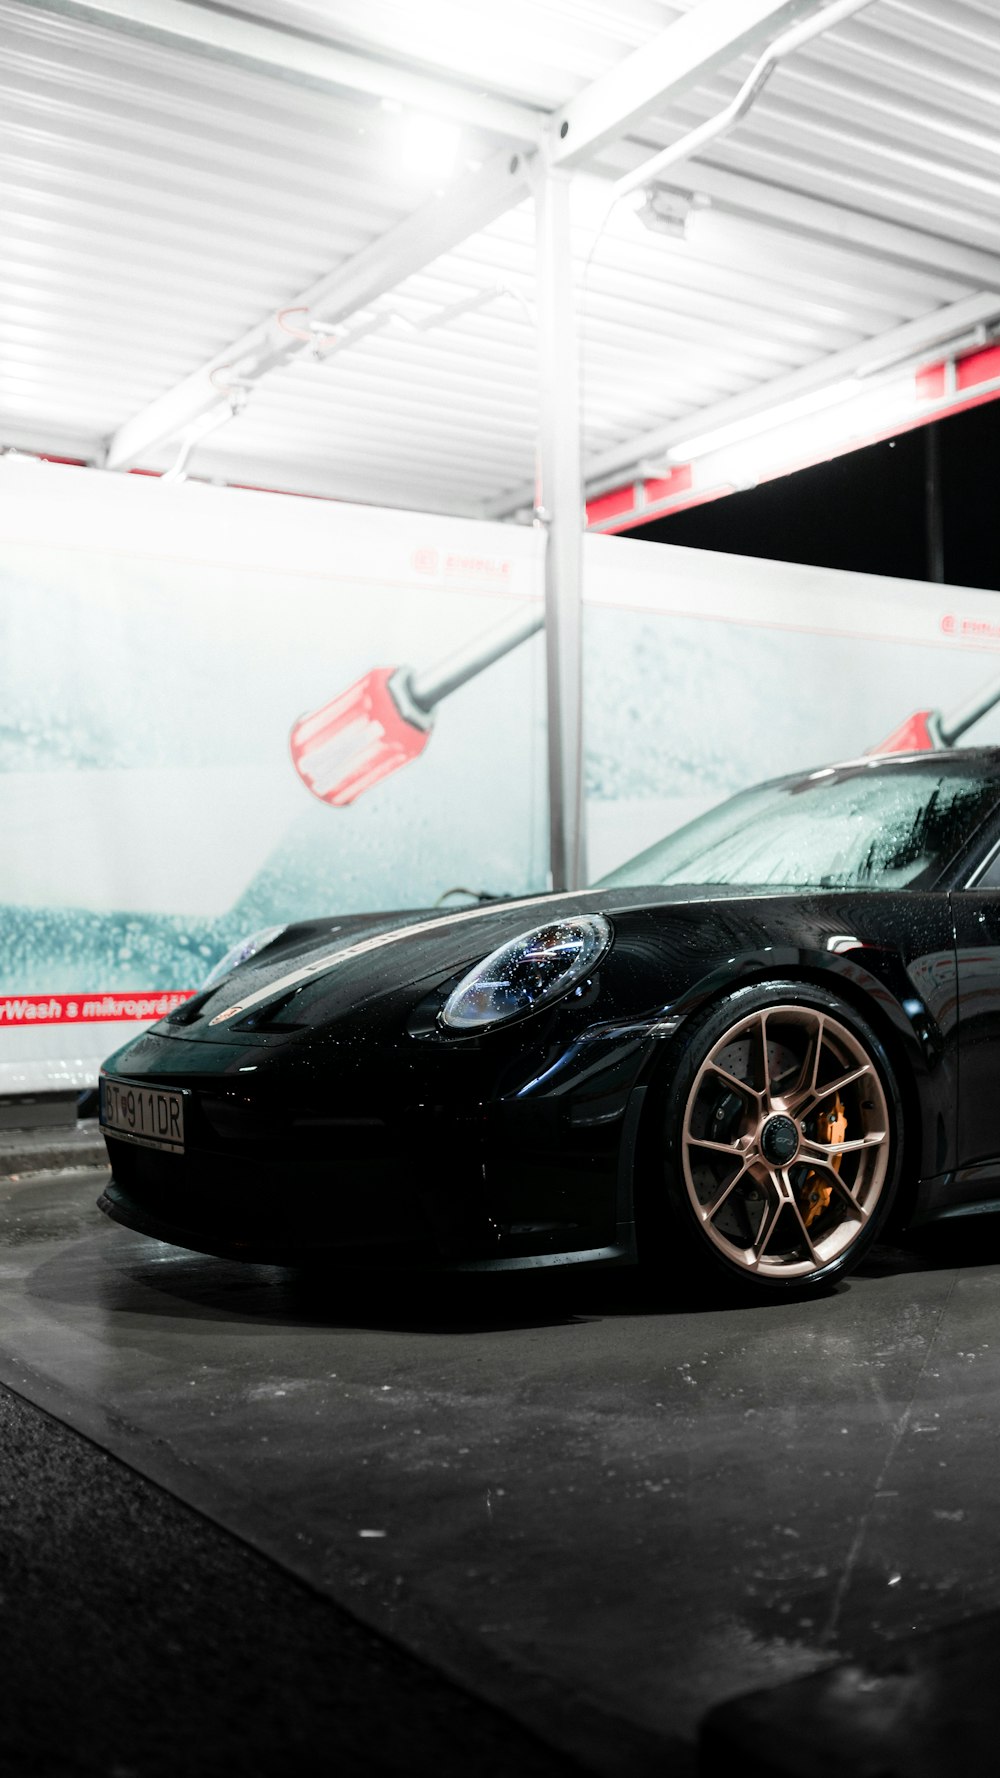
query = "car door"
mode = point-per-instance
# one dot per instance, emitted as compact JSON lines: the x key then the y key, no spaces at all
{"x":977,"y":932}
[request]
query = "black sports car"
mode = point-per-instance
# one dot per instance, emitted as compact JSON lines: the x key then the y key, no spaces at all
{"x":740,"y":1052}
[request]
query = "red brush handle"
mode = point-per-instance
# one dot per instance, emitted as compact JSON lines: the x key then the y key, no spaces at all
{"x":916,"y":735}
{"x":384,"y":719}
{"x":348,"y":745}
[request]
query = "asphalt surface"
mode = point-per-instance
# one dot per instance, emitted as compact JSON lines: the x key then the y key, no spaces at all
{"x":138,"y":1640}
{"x":602,"y":1514}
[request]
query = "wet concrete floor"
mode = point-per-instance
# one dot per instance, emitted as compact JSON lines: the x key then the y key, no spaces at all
{"x":603,"y":1513}
{"x":138,"y":1640}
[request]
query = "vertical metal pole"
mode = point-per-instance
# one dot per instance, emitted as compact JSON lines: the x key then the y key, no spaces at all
{"x":933,"y":505}
{"x":560,"y":504}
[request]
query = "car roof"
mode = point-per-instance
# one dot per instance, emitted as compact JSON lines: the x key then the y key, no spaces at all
{"x":983,"y":762}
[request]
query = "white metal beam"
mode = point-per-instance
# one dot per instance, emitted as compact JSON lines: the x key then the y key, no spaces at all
{"x":561,"y":512}
{"x":682,"y":56}
{"x":780,"y":206}
{"x":364,"y":483}
{"x":686,"y":52}
{"x":835,"y":13}
{"x":926,"y":334}
{"x":435,"y":228}
{"x":308,"y":60}
{"x":646,"y":452}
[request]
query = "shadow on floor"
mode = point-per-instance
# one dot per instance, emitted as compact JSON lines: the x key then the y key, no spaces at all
{"x":137,"y":1275}
{"x":957,"y":1242}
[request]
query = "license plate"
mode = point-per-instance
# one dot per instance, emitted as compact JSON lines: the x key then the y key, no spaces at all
{"x":151,"y":1116}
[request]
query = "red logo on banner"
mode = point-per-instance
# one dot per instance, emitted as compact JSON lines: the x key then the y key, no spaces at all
{"x":979,"y":627}
{"x":479,"y":567}
{"x":78,"y":1009}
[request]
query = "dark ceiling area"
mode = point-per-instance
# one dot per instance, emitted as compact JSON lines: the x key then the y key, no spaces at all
{"x":872,"y":510}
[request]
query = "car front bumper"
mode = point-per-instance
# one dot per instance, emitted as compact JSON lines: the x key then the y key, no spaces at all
{"x":405,"y":1167}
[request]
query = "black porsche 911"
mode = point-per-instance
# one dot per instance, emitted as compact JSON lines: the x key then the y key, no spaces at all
{"x":740,"y":1053}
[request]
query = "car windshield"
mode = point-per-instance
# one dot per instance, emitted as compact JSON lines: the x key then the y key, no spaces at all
{"x":870,"y":826}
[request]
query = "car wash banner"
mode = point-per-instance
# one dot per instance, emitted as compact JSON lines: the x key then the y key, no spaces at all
{"x":705,"y":673}
{"x":224,"y":710}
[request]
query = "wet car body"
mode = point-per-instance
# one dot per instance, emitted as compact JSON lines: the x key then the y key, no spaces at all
{"x":329,"y":1114}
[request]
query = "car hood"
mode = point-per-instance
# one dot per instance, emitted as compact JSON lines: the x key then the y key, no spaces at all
{"x":327,"y":967}
{"x":319,"y":971}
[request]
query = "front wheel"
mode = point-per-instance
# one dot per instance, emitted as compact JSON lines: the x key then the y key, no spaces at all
{"x":782,"y":1142}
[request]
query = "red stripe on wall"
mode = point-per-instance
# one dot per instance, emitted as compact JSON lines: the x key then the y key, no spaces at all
{"x":979,"y":367}
{"x":664,"y":487}
{"x":632,"y":502}
{"x":929,"y":382}
{"x":90,"y":1008}
{"x":610,"y":506}
{"x":662,"y":509}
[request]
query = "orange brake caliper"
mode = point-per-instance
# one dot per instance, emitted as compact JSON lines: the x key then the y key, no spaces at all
{"x":831,"y":1127}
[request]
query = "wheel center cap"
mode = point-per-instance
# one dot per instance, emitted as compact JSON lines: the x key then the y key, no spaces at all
{"x":779,"y":1140}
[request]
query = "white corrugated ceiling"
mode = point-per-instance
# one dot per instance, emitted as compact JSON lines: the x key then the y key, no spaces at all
{"x":158,"y":200}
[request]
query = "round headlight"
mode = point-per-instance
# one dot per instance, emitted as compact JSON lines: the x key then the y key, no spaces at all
{"x":527,"y":973}
{"x":239,"y":953}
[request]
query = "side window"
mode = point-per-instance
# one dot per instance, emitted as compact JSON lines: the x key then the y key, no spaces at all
{"x":990,"y":878}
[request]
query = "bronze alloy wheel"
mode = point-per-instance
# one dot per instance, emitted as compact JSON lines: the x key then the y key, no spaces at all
{"x":786,"y":1141}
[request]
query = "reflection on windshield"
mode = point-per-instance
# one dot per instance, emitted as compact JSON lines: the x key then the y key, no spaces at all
{"x":882,"y":826}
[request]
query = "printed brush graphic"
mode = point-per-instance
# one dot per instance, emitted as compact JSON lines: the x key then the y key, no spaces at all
{"x":927,"y":731}
{"x":386,"y":718}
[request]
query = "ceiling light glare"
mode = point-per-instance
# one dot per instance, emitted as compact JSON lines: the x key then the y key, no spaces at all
{"x":428,"y":148}
{"x":719,"y":438}
{"x":813,"y":436}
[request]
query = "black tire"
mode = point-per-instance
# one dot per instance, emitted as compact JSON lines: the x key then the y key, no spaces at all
{"x":777,"y":1149}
